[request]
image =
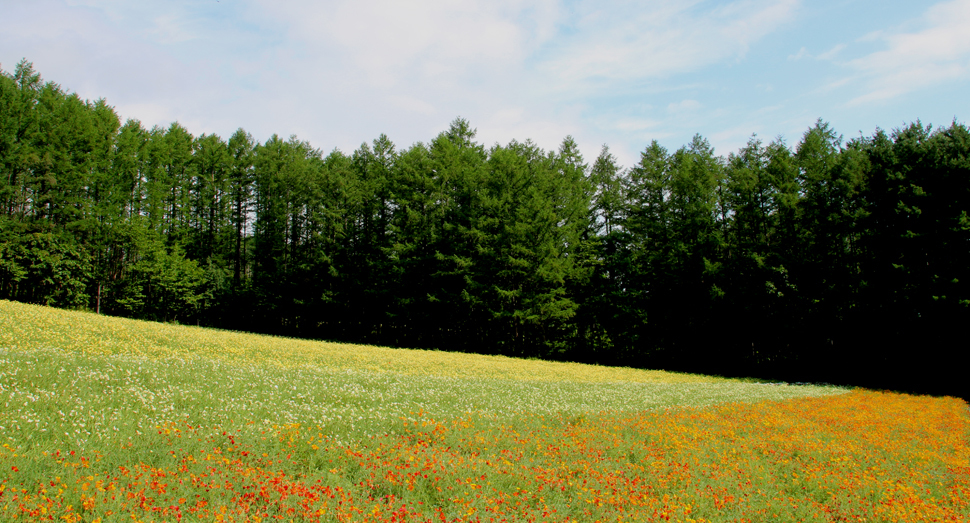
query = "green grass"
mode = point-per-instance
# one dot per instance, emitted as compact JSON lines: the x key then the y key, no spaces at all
{"x":82,"y":380}
{"x":115,"y":391}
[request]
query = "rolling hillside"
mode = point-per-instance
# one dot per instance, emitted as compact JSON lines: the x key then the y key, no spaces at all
{"x":108,"y":419}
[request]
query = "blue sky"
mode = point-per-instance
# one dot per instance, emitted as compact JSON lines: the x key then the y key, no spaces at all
{"x":340,"y":72}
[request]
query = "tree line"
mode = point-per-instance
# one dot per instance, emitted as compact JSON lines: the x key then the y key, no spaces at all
{"x":827,"y":260}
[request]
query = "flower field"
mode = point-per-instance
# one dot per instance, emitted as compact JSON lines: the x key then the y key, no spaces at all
{"x":105,"y":419}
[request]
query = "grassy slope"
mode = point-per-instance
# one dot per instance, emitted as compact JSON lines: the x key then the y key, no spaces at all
{"x":73,"y":378}
{"x":29,"y":327}
{"x":103,"y":418}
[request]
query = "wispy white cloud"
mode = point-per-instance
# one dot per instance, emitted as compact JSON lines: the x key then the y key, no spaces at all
{"x":426,"y":62}
{"x":770,"y":109}
{"x":739,"y":135}
{"x":802,"y":53}
{"x":656,"y":39}
{"x":831,"y":53}
{"x":914,"y":60}
{"x":683,"y":106}
{"x":409,"y":103}
{"x":340,"y":72}
{"x":826,"y":55}
{"x":389,"y":42}
{"x":636,"y":124}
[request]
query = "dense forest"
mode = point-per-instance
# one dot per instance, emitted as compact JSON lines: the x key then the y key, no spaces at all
{"x":845,"y":261}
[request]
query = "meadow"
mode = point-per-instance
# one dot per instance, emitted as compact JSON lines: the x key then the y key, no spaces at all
{"x":107,"y":419}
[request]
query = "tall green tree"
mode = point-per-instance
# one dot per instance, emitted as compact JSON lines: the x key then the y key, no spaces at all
{"x":20,"y":127}
{"x":915,"y":256}
{"x":210,"y":219}
{"x":605,"y":320}
{"x":675,"y":242}
{"x":241,"y":149}
{"x":833,"y":179}
{"x":415,"y":231}
{"x":459,"y":173}
{"x":756,"y":289}
{"x":286,"y":173}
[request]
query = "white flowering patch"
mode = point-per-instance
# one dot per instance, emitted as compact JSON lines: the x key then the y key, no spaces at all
{"x":54,"y":398}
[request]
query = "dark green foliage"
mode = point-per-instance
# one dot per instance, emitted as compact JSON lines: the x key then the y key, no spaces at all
{"x":913,"y":240}
{"x":241,"y":178}
{"x":527,"y":230}
{"x":605,"y":320}
{"x":160,"y":283}
{"x":673,"y":243}
{"x":43,"y":267}
{"x":825,"y":261}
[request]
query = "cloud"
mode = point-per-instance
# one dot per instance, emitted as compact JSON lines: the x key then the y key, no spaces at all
{"x":340,"y":72}
{"x":409,"y":103}
{"x":911,"y":61}
{"x":426,"y":62}
{"x":831,"y":53}
{"x":827,"y":55}
{"x":659,"y":38}
{"x":636,"y":124}
{"x":737,"y":136}
{"x":683,"y":106}
{"x":770,"y":109}
{"x":802,"y":53}
{"x":390,"y":42}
